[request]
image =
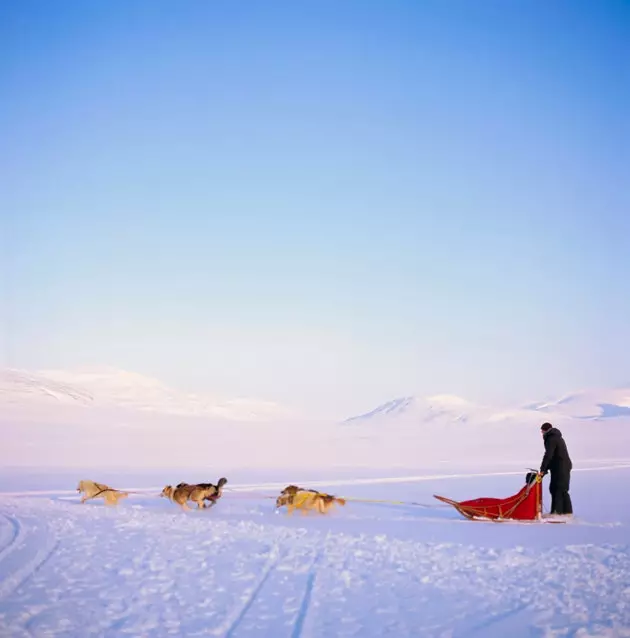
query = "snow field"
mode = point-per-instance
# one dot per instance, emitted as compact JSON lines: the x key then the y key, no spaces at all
{"x":148,"y":569}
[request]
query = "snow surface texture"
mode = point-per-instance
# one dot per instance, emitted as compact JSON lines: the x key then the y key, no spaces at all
{"x":238,"y":569}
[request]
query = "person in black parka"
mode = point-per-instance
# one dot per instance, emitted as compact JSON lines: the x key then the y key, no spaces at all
{"x":558,"y":462}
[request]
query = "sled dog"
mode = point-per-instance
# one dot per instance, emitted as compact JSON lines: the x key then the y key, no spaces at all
{"x":197,"y":493}
{"x":90,"y":490}
{"x":295,"y":497}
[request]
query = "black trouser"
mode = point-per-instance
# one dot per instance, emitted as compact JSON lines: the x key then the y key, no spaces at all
{"x":559,"y":489}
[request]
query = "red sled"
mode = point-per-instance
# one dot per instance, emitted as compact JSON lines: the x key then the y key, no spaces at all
{"x":526,"y":505}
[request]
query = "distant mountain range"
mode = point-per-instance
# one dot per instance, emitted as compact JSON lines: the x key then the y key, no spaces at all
{"x":42,"y":393}
{"x":110,"y":418}
{"x":109,"y":388}
{"x":593,"y":405}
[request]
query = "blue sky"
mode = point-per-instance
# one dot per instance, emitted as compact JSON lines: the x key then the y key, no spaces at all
{"x":327,"y":204}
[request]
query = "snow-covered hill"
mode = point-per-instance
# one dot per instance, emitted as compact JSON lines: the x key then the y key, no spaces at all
{"x":110,"y":417}
{"x":18,"y":387}
{"x":442,"y":407}
{"x":42,"y":393}
{"x":593,"y":405}
{"x":589,"y":404}
{"x":443,"y":429}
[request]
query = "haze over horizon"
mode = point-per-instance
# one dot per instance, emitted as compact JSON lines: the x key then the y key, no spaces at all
{"x":325,"y":206}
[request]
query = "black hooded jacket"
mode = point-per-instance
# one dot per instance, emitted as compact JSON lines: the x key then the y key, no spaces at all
{"x":556,"y":459}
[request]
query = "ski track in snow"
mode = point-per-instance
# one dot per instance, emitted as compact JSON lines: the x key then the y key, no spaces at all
{"x":250,"y":597}
{"x":28,"y":549}
{"x":14,"y":532}
{"x":307,"y":595}
{"x":147,"y":569}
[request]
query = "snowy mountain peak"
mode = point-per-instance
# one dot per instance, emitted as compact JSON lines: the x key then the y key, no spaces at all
{"x":119,"y":389}
{"x":444,"y":408}
{"x":589,"y":404}
{"x":17,"y":386}
{"x":396,"y":406}
{"x":421,"y":408}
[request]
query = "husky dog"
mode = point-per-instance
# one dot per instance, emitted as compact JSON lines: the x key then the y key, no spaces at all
{"x":91,"y":490}
{"x":295,"y":497}
{"x":197,"y":493}
{"x":218,"y":491}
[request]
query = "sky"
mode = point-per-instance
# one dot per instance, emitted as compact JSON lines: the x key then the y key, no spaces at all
{"x":320,"y":203}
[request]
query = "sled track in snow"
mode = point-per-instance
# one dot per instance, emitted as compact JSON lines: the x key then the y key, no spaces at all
{"x":20,"y":576}
{"x":306,"y":597}
{"x":233,"y":624}
{"x":250,"y":599}
{"x":22,"y":539}
{"x":16,"y":536}
{"x":494,"y":622}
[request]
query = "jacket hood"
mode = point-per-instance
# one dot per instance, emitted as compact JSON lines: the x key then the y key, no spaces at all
{"x":552,"y":432}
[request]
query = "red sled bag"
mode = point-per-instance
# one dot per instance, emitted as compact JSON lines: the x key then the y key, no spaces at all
{"x":526,"y":505}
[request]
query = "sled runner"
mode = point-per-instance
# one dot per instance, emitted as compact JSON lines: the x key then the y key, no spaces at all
{"x":526,"y":505}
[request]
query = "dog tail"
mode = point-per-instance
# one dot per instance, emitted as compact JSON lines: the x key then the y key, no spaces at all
{"x":340,"y":500}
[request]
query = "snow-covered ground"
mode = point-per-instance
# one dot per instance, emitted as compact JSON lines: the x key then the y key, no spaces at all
{"x":146,"y":568}
{"x":369,"y":569}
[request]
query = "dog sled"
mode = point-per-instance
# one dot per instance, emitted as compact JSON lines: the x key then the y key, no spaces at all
{"x":524,"y":506}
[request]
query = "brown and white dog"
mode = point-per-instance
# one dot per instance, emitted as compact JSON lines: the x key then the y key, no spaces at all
{"x":197,"y":493}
